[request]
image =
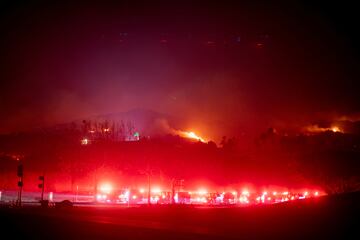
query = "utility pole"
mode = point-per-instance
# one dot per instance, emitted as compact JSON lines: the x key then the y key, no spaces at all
{"x":149,"y":187}
{"x":96,"y":186}
{"x":173,"y":183}
{"x":42,"y":186}
{"x":148,"y":172}
{"x":129,"y":195}
{"x":20,"y":174}
{"x":77,"y":192}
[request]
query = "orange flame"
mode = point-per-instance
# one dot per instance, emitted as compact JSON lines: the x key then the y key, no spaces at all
{"x":317,"y":129}
{"x":192,"y":135}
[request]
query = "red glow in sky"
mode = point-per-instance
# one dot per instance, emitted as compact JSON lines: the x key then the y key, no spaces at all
{"x":153,"y":57}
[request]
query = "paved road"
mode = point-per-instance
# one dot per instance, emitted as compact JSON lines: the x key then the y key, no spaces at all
{"x":321,"y":218}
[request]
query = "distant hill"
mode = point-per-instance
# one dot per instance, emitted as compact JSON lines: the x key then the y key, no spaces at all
{"x":147,"y":122}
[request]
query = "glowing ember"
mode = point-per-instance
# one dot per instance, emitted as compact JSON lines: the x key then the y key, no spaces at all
{"x":335,"y":129}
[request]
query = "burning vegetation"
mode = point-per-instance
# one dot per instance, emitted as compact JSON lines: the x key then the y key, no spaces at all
{"x":191,"y":135}
{"x":81,"y":157}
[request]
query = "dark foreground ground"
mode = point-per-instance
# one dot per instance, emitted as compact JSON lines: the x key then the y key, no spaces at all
{"x":336,"y":217}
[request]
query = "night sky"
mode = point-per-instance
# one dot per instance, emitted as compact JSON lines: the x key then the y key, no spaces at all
{"x":226,"y":68}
